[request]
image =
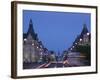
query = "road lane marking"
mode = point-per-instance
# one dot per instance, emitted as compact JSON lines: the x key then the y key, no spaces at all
{"x":47,"y":64}
{"x":66,"y":62}
{"x":60,"y":62}
{"x":42,"y":65}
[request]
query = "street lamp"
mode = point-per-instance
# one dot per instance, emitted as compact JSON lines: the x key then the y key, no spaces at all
{"x":41,"y":53}
{"x":80,"y":39}
{"x":71,"y":49}
{"x":25,"y":39}
{"x":76,"y":43}
{"x":88,"y":34}
{"x":32,"y":44}
{"x":37,"y":47}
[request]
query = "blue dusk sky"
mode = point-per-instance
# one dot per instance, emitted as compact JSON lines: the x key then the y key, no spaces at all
{"x":56,"y":30}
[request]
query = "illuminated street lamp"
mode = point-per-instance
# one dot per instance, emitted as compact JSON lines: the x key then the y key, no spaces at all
{"x":80,"y":39}
{"x":41,"y":53}
{"x":76,"y":43}
{"x":32,"y":44}
{"x":25,"y":39}
{"x":37,"y":47}
{"x":88,"y":34}
{"x":71,"y":49}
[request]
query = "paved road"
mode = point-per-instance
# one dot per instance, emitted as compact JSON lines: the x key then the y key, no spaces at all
{"x":73,"y":60}
{"x":48,"y":65}
{"x":54,"y":65}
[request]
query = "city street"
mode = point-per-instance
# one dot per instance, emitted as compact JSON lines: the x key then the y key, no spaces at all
{"x":36,"y":55}
{"x":47,"y":65}
{"x":71,"y":61}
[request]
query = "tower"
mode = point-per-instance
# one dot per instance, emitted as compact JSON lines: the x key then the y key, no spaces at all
{"x":31,"y":30}
{"x":84,"y":30}
{"x":29,"y":42}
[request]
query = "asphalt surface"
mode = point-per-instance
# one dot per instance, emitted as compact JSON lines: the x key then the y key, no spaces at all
{"x":59,"y":64}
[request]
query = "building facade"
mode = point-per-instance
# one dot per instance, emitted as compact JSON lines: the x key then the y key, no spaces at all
{"x":83,"y":39}
{"x":33,"y":50}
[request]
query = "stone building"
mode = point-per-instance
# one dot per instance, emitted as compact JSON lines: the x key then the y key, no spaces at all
{"x":33,"y":50}
{"x":83,"y":39}
{"x":85,"y":36}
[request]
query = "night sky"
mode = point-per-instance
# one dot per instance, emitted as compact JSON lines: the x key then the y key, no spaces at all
{"x":56,"y":30}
